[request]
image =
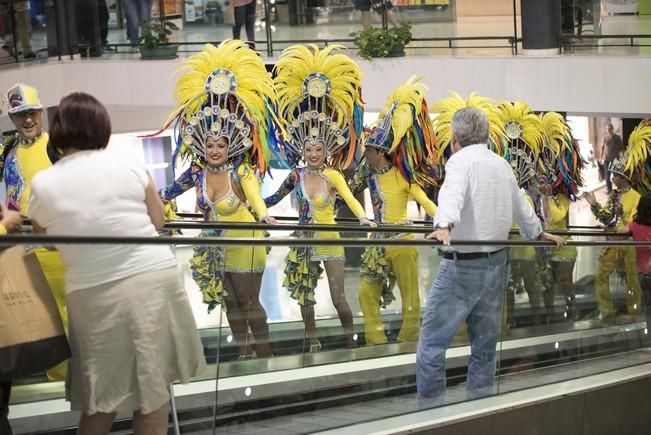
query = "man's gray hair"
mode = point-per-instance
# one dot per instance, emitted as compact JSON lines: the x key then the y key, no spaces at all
{"x":470,"y":126}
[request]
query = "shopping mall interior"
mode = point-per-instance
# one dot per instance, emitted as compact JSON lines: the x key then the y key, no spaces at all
{"x":561,"y":366}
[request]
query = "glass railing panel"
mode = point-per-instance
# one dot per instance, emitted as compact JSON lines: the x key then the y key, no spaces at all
{"x":295,"y":387}
{"x":592,"y":317}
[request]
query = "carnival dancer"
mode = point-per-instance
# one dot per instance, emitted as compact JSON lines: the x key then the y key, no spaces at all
{"x":559,"y":186}
{"x":615,"y":215}
{"x":522,"y":139}
{"x":320,"y":105}
{"x":21,"y":158}
{"x":223,"y":126}
{"x":399,"y":158}
{"x":638,"y":168}
{"x":637,"y":160}
{"x":632,"y":179}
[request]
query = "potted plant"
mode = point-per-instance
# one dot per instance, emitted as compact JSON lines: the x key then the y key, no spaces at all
{"x":154,"y":40}
{"x":378,"y":42}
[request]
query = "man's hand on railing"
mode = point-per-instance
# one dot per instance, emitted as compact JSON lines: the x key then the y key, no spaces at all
{"x":270,"y":220}
{"x":440,"y":234}
{"x":558,"y":240}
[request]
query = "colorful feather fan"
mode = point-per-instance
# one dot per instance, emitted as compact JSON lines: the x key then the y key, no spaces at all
{"x":404,"y":131}
{"x":522,"y":139}
{"x":560,"y":159}
{"x":637,"y":161}
{"x":225,"y":91}
{"x":319,"y":99}
{"x":446,"y":109}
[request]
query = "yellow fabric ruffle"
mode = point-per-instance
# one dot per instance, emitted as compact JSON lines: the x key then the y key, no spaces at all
{"x":301,"y":276}
{"x":376,"y":268}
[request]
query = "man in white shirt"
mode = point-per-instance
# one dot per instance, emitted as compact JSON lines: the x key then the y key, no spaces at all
{"x":479,"y":200}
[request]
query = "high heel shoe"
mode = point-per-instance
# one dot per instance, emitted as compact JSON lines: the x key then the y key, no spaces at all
{"x":315,"y":347}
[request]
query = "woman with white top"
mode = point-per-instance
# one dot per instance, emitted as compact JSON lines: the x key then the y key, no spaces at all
{"x":132,"y":331}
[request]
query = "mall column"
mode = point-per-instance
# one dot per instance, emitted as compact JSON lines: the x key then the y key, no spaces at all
{"x":541,"y":26}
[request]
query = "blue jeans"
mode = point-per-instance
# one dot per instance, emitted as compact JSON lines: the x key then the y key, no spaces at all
{"x":136,"y":11}
{"x":470,"y":291}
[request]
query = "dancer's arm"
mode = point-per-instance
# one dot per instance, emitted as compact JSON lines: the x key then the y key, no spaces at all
{"x":185,"y":182}
{"x":421,"y":197}
{"x":251,"y":188}
{"x":339,"y":183}
{"x":285,"y":189}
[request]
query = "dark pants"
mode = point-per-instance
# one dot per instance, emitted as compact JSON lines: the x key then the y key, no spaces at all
{"x":245,"y":16}
{"x":103,"y":20}
{"x":609,"y":183}
{"x":5,"y":393}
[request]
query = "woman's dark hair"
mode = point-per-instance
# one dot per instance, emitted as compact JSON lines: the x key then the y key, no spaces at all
{"x":80,"y":122}
{"x":643,"y":216}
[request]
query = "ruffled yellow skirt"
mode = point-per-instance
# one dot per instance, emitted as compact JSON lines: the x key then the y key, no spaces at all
{"x":376,"y":268}
{"x":301,"y":275}
{"x":210,"y":262}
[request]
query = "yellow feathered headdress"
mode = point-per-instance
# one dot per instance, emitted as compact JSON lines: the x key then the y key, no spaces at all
{"x":319,"y":99}
{"x":522,"y":138}
{"x":560,"y":159}
{"x":225,"y":91}
{"x":446,"y":109}
{"x":404,"y":131}
{"x":637,"y":161}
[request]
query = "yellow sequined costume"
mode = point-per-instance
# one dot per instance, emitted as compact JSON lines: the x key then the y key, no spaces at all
{"x":559,"y":208}
{"x":302,"y":270}
{"x":20,"y":166}
{"x":319,"y":101}
{"x":617,"y":214}
{"x":403,"y":132}
{"x":225,"y":92}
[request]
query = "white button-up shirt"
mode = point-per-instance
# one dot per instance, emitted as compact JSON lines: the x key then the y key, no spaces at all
{"x":480,"y":197}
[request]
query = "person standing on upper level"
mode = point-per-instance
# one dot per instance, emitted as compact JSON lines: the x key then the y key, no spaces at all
{"x":612,"y":148}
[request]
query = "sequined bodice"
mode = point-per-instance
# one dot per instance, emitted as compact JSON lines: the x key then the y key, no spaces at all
{"x":226,"y":205}
{"x":322,"y":201}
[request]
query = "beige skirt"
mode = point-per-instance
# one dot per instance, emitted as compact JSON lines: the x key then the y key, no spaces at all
{"x":130,"y":339}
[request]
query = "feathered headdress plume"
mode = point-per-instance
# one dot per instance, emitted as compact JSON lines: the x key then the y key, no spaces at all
{"x":560,"y":158}
{"x":319,"y":100}
{"x":446,"y":109}
{"x":404,"y":131}
{"x":637,"y":161}
{"x":225,"y":91}
{"x":522,"y":138}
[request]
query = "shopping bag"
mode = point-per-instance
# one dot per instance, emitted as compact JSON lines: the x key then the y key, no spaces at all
{"x":32,"y":338}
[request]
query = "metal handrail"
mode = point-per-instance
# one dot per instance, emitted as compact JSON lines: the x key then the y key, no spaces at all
{"x":342,"y":227}
{"x":510,"y":39}
{"x":591,"y":230}
{"x":608,"y":36}
{"x":40,"y":239}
